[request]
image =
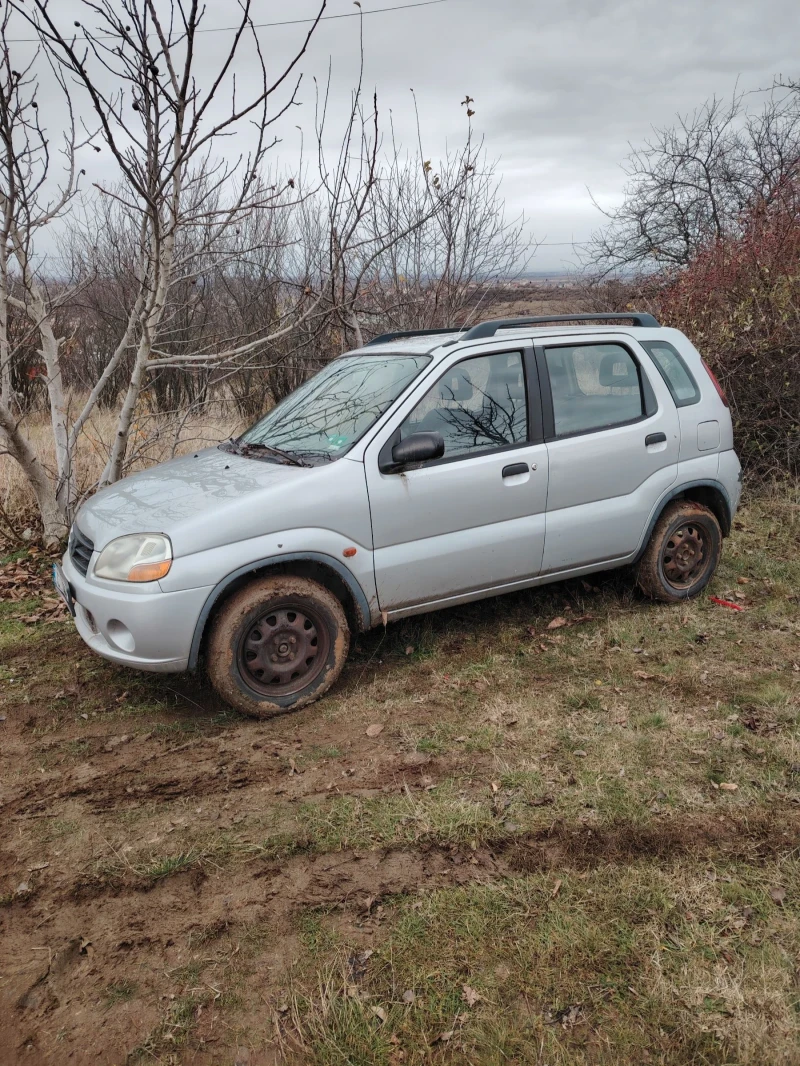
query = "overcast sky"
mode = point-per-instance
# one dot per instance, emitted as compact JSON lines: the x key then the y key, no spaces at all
{"x":560,"y":88}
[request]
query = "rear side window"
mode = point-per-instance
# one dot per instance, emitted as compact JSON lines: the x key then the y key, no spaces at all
{"x":674,"y":371}
{"x":594,"y":386}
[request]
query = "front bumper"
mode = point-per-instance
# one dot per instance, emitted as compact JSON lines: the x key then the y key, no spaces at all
{"x":141,"y":627}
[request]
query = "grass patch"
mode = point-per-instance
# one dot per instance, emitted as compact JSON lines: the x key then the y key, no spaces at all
{"x":119,"y":992}
{"x":618,"y":966}
{"x":443,"y":815}
{"x":172,"y":1033}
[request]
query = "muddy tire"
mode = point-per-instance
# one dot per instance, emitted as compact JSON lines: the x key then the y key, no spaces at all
{"x":682,"y":554}
{"x":277,"y":644}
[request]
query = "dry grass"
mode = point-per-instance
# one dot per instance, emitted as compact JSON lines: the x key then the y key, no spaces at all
{"x":154,"y":438}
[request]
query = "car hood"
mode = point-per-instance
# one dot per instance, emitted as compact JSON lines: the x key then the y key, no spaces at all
{"x":229,"y":492}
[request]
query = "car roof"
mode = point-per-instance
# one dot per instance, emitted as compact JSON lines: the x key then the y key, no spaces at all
{"x":425,"y":344}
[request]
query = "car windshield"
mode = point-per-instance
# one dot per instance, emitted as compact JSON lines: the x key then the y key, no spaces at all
{"x":325,"y":417}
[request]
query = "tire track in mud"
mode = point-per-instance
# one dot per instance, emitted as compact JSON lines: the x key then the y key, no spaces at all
{"x":148,"y":929}
{"x":209,"y":766}
{"x":337,"y":878}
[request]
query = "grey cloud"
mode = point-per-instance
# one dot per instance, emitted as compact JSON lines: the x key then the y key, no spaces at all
{"x":560,"y":88}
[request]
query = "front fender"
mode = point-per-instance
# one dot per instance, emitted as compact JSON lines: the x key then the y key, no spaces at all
{"x":357,"y":592}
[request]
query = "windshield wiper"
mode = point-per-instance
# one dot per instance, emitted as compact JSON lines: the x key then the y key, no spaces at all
{"x":292,"y":459}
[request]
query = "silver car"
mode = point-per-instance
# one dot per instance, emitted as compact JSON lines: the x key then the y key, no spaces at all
{"x":423,"y":470}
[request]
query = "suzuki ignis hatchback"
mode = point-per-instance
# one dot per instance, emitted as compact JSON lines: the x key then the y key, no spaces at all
{"x":421,"y":471}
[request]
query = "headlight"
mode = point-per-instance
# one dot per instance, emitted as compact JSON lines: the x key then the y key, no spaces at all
{"x":140,"y":557}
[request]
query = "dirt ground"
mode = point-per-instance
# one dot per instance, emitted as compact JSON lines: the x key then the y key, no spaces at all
{"x":181,"y":885}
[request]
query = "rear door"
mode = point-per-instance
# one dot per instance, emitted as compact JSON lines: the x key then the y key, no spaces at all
{"x":474,"y":519}
{"x":613,"y":439}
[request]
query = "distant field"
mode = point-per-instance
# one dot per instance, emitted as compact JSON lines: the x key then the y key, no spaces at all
{"x":573,"y":841}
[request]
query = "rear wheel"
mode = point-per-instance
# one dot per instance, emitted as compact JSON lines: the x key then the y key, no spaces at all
{"x":682,"y":554}
{"x":277,"y":645}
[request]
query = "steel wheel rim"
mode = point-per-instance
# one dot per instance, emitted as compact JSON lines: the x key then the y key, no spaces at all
{"x":684,"y":557}
{"x":284,"y":650}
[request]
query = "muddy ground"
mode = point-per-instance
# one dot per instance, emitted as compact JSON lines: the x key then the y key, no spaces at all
{"x":158,"y":853}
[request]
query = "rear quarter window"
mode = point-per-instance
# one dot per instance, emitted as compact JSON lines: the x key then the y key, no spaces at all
{"x":676,"y":374}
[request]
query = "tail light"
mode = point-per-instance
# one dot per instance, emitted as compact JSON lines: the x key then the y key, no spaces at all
{"x":716,"y":384}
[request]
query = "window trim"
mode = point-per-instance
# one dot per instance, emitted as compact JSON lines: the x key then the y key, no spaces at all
{"x":533,"y":412}
{"x":649,"y":401}
{"x":666,"y":344}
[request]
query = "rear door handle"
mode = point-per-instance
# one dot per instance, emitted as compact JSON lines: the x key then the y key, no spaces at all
{"x":517,"y":468}
{"x":655,"y":438}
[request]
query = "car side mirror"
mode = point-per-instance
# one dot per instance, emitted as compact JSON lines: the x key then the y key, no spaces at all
{"x":418,"y":448}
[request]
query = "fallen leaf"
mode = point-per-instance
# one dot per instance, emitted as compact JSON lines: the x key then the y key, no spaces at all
{"x":410,"y":650}
{"x":643,"y":676}
{"x":743,"y":581}
{"x":470,"y":996}
{"x":556,"y":889}
{"x":777,"y":894}
{"x":379,"y":1013}
{"x":409,"y":996}
{"x":579,"y":753}
{"x":557,"y":623}
{"x":38,"y":866}
{"x":374,"y":730}
{"x":444,"y":1037}
{"x":728,"y":786}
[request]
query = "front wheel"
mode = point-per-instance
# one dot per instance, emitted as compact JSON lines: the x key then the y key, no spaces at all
{"x":278,"y":644}
{"x":682,"y":554}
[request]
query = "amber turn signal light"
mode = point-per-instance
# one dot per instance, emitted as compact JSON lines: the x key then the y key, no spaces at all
{"x":150,"y":571}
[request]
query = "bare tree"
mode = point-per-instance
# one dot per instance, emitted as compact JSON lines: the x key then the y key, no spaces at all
{"x":690,"y":183}
{"x":156,"y":118}
{"x":196,"y":273}
{"x":28,"y":204}
{"x":443,"y":270}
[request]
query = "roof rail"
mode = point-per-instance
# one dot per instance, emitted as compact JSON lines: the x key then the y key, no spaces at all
{"x":386,"y":337}
{"x":488,"y":329}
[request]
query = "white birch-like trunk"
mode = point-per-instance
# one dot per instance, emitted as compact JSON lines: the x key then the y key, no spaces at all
{"x":53,"y":523}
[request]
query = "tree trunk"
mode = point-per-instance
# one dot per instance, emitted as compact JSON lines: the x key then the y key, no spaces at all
{"x":6,"y":396}
{"x":119,"y":448}
{"x":54,"y":526}
{"x":65,"y":490}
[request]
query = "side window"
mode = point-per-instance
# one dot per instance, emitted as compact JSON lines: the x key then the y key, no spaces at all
{"x":477,"y":404}
{"x":674,"y":372}
{"x":594,"y":386}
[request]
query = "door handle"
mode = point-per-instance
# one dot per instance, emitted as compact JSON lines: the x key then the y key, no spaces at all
{"x":655,"y":438}
{"x":515,"y":468}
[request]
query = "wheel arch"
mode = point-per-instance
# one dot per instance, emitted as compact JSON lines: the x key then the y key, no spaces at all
{"x":709,"y":493}
{"x":329,"y":572}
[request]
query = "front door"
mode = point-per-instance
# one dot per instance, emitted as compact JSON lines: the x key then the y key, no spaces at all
{"x":613,"y":440}
{"x":474,"y":519}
